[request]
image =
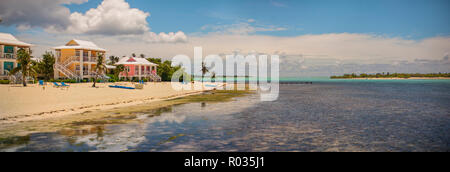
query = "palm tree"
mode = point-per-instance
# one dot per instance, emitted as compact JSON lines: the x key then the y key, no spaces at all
{"x":204,"y":70}
{"x":142,"y":56}
{"x":99,"y":68}
{"x":119,"y":69}
{"x":26,"y":66}
{"x":113,"y":59}
{"x":213,"y":76}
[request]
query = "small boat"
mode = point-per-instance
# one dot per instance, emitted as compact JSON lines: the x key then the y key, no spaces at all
{"x":123,"y":87}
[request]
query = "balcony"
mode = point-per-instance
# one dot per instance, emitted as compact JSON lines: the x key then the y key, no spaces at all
{"x":8,"y":56}
{"x":89,"y":59}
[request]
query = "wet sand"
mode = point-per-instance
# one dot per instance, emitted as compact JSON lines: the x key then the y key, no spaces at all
{"x":87,"y":120}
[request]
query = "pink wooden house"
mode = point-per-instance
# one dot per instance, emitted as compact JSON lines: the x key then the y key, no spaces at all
{"x":139,"y":68}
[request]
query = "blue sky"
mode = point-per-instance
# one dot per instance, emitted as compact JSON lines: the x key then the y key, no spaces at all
{"x":412,"y":19}
{"x":313,"y":37}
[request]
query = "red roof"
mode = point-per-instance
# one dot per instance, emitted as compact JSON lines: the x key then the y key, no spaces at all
{"x":131,"y":60}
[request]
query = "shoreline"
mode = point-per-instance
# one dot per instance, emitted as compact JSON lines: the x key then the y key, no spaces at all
{"x":84,"y":122}
{"x":43,"y":105}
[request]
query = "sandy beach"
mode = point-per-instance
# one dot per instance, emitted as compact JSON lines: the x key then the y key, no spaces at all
{"x":35,"y":102}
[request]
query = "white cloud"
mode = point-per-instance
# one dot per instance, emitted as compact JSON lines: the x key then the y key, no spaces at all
{"x":241,"y":28}
{"x":110,"y":18}
{"x":36,"y":13}
{"x":165,"y":38}
{"x":277,"y":4}
{"x":116,"y":17}
{"x":342,"y":47}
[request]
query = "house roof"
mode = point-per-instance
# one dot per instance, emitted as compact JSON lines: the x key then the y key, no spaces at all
{"x":80,"y":44}
{"x":6,"y":38}
{"x":110,"y":66}
{"x":135,"y":61}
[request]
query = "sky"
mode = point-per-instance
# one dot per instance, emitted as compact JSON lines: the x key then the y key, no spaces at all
{"x":312,"y":37}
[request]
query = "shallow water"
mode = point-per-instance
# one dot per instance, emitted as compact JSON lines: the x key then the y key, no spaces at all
{"x":324,"y":116}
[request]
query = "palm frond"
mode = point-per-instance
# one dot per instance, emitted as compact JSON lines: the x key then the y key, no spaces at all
{"x":14,"y":71}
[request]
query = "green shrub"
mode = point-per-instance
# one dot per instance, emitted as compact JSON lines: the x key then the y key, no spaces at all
{"x":69,"y":81}
{"x":4,"y":81}
{"x":112,"y":78}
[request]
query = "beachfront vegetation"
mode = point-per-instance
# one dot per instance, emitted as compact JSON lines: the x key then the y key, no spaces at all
{"x":213,"y":76}
{"x":4,"y":81}
{"x":165,"y":69}
{"x":100,"y":68}
{"x":26,"y":66}
{"x":45,"y":66}
{"x":154,"y":60}
{"x":204,"y":70}
{"x":113,"y":60}
{"x":390,"y":75}
{"x":116,"y":72}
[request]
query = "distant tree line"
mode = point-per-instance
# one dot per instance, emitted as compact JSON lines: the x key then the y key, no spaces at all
{"x":390,"y":75}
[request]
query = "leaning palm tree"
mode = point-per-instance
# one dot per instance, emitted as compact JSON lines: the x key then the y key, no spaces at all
{"x":204,"y":70}
{"x":99,"y":68}
{"x":213,"y":76}
{"x":26,"y":66}
{"x":119,"y":69}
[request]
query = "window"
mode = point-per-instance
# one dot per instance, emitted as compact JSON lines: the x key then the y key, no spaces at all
{"x":9,"y":49}
{"x":85,"y":69}
{"x":77,"y":53}
{"x":85,"y":53}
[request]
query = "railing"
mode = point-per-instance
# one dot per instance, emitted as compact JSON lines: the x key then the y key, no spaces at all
{"x":70,"y":60}
{"x":8,"y":56}
{"x":66,"y":71}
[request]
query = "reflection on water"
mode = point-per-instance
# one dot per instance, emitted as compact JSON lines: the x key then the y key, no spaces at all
{"x":375,"y":116}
